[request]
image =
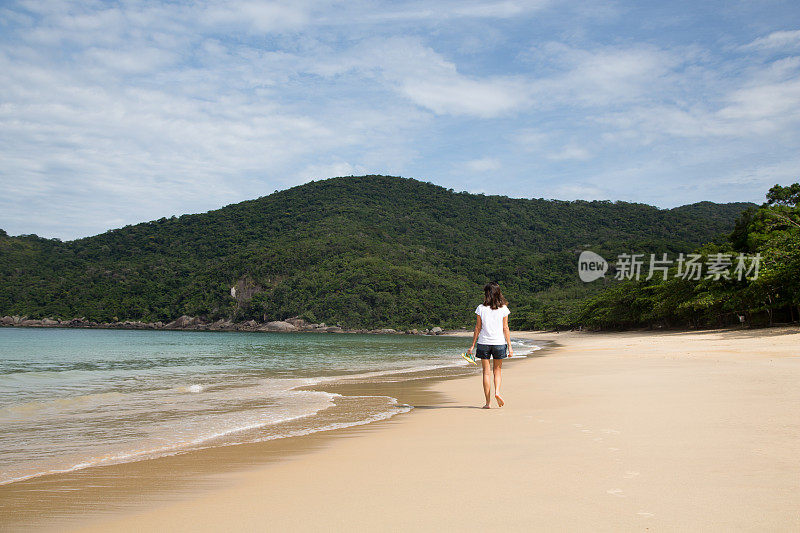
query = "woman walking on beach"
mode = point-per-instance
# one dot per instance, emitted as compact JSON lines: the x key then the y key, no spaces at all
{"x":492,"y":338}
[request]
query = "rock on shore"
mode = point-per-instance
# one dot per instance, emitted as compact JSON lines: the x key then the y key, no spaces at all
{"x":183,"y":322}
{"x":278,"y":325}
{"x":190,"y":323}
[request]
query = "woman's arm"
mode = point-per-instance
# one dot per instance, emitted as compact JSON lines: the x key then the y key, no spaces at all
{"x":475,"y":334}
{"x":507,"y":334}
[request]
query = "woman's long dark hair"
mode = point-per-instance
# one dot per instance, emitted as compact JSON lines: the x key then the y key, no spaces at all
{"x":493,"y":296}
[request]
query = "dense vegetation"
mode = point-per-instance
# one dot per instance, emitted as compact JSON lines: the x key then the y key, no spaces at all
{"x":369,"y":251}
{"x":772,"y":230}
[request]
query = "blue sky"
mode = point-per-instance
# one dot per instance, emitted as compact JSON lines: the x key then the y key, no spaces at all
{"x":113,"y":113}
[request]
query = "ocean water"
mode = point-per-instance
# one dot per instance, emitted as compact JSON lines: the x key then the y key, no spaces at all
{"x":75,"y":398}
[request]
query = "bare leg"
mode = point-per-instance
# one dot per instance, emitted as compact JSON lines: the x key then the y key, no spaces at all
{"x":487,"y":390}
{"x":497,"y":365}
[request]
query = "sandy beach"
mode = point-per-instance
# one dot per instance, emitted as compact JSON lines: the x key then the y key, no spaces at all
{"x":629,"y":431}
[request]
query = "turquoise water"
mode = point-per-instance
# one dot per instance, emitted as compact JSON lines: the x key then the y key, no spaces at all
{"x":74,"y":398}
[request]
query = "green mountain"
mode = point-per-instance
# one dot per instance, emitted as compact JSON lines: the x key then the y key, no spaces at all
{"x":366,"y":251}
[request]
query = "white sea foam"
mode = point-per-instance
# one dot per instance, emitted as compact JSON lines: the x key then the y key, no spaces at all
{"x":71,"y":419}
{"x":195,"y":444}
{"x":324,"y":400}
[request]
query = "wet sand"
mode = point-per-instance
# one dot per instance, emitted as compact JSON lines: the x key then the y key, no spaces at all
{"x":64,"y":501}
{"x":607,"y":432}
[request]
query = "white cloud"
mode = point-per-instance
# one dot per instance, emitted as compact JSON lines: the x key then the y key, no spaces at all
{"x":329,"y":170}
{"x":140,"y":130}
{"x":765,"y":101}
{"x":579,"y":191}
{"x":601,"y":76}
{"x":427,"y":78}
{"x":130,"y":61}
{"x":530,"y":139}
{"x":262,"y":17}
{"x":394,"y":12}
{"x":503,"y":9}
{"x":775,"y":41}
{"x":119,"y":112}
{"x":570,"y":153}
{"x":761,"y":177}
{"x":551,"y":145}
{"x":453,"y":94}
{"x":482,"y":165}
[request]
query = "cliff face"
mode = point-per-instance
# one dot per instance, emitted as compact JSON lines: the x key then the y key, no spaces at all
{"x":244,"y":290}
{"x":365,"y":252}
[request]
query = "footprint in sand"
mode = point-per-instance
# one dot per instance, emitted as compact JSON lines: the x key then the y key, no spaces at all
{"x":630,"y":474}
{"x":616,"y":492}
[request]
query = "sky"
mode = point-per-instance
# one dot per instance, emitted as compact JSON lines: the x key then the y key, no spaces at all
{"x":113,"y":113}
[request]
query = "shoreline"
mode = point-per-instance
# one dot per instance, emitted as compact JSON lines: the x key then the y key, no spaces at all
{"x":188,"y":323}
{"x":297,"y":325}
{"x":603,"y":432}
{"x":122,"y":483}
{"x":39,"y":504}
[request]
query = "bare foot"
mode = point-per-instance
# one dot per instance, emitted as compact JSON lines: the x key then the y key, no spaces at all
{"x":499,"y":399}
{"x":487,"y":406}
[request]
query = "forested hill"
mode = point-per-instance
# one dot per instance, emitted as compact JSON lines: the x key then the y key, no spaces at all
{"x":362,"y":251}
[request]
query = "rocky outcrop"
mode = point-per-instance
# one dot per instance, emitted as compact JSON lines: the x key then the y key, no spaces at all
{"x":182,"y":322}
{"x":250,"y":325}
{"x":278,"y":325}
{"x":137,"y":324}
{"x":186,"y":322}
{"x":297,"y":322}
{"x":221,"y":325}
{"x":244,"y":290}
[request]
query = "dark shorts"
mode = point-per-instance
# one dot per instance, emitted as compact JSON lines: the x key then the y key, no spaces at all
{"x":485,"y":351}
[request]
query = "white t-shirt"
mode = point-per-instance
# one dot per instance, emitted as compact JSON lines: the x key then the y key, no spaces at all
{"x":491,"y":324}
